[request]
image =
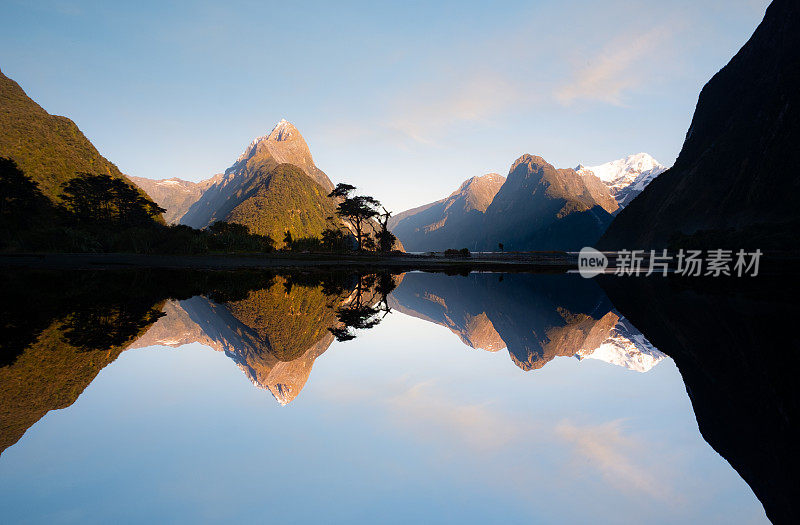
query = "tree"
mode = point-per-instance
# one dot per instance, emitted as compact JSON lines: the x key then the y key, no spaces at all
{"x":335,"y":240}
{"x":21,"y":200}
{"x":386,"y":239}
{"x":288,"y":240}
{"x":105,"y":199}
{"x":369,"y":243}
{"x":358,"y":210}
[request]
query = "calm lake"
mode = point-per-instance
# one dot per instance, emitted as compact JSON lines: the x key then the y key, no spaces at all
{"x":416,"y":397}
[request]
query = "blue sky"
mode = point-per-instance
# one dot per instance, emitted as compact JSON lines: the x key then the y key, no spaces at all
{"x":405,"y":100}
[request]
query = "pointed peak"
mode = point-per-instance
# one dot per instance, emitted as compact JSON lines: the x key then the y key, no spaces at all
{"x":283,"y":130}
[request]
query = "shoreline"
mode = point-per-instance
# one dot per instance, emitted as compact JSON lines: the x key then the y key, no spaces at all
{"x":509,"y":262}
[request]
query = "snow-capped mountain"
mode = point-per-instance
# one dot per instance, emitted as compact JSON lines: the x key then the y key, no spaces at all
{"x":627,"y":177}
{"x":625,"y":346}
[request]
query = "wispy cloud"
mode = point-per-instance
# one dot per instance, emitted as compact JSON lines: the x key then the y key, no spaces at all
{"x":621,"y":65}
{"x":429,"y":109}
{"x":475,"y":425}
{"x":611,"y":452}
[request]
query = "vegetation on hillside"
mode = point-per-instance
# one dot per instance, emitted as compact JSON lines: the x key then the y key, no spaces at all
{"x":99,"y":213}
{"x":48,"y":148}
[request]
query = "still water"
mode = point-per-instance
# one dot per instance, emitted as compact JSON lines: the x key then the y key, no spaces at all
{"x":426,"y":397}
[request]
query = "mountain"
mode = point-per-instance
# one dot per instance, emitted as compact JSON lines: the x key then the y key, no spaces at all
{"x":734,"y":182}
{"x":543,"y":208}
{"x":450,"y":222}
{"x":48,"y":148}
{"x":626,"y":177}
{"x":537,"y":207}
{"x":175,"y":195}
{"x":272,"y":187}
{"x":536,"y":318}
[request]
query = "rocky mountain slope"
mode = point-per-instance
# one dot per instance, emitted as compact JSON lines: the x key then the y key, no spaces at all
{"x":175,"y":195}
{"x":543,"y":208}
{"x":283,"y":144}
{"x":627,"y":177}
{"x":449,"y":222}
{"x":272,"y":187}
{"x":537,"y":207}
{"x":48,"y":148}
{"x":734,"y":179}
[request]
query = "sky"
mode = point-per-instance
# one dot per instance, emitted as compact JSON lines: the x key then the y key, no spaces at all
{"x":405,"y":100}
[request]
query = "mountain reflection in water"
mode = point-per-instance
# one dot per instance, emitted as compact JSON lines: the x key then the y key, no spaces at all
{"x":274,"y":327}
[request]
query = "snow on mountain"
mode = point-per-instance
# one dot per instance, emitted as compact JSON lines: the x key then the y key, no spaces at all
{"x":626,"y":177}
{"x":626,"y":347}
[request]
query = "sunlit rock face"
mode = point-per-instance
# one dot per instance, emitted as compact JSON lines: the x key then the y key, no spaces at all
{"x":175,"y":195}
{"x":537,"y":318}
{"x":272,"y":187}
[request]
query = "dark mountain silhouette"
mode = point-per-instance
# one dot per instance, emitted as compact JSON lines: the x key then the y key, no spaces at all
{"x":734,"y":181}
{"x":735,"y":346}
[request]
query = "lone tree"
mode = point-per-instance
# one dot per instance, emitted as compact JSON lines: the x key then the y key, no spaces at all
{"x":358,"y":210}
{"x":288,"y":240}
{"x":386,"y":239}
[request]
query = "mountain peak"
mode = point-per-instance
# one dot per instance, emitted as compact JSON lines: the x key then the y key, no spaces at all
{"x":626,"y":177}
{"x":530,"y":160}
{"x":625,"y":168}
{"x":283,"y":130}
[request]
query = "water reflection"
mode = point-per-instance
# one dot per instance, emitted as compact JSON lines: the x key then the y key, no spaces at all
{"x":536,"y":317}
{"x":737,"y":366}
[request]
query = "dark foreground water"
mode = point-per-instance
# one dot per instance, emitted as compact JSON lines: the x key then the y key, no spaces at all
{"x":515,"y":398}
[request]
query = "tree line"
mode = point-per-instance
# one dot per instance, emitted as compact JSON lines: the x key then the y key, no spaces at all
{"x":100,"y":213}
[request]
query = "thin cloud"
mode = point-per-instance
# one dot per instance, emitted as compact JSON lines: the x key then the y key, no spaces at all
{"x":431,"y":109}
{"x":622,"y":65}
{"x":610,"y":451}
{"x":476,"y":425}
